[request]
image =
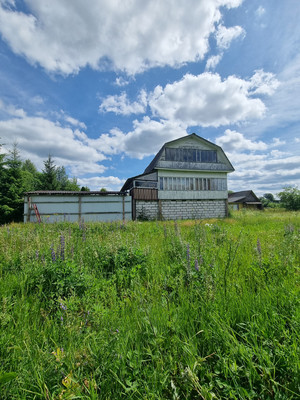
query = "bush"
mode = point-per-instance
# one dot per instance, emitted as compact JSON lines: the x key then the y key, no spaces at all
{"x":290,"y":198}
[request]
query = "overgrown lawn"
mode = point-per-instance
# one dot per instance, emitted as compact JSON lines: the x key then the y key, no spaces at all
{"x":151,"y":310}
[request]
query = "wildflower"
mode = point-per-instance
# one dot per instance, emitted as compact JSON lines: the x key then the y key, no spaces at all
{"x":63,"y":307}
{"x":165,"y":231}
{"x":196,"y":264}
{"x":37,"y":254}
{"x":176,"y":228}
{"x":59,"y":354}
{"x":62,"y":247}
{"x":53,"y":256}
{"x":258,"y":247}
{"x":188,"y":254}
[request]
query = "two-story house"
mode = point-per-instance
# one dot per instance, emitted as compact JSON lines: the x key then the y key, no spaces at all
{"x":186,"y":179}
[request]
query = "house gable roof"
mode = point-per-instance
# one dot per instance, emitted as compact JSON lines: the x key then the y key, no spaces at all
{"x":155,"y":163}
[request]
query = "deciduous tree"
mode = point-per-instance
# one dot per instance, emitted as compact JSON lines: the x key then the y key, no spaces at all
{"x":290,"y":198}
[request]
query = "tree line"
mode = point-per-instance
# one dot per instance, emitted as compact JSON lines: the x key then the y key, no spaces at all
{"x":289,"y":198}
{"x":18,"y":177}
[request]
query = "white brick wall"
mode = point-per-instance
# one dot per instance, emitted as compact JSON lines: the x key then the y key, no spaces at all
{"x":147,"y":209}
{"x":181,"y":209}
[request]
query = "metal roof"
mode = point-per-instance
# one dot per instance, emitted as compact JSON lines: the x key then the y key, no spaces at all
{"x":72,"y":193}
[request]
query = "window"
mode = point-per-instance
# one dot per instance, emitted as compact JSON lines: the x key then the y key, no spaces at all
{"x":194,"y":184}
{"x":145,"y":184}
{"x":191,"y":155}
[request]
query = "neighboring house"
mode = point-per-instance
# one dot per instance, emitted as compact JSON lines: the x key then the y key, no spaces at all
{"x":245,"y":199}
{"x":186,"y":179}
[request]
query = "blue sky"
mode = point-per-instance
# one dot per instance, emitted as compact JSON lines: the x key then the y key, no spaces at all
{"x":102,"y":85}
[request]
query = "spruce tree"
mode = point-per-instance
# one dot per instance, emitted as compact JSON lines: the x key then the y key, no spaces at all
{"x":49,"y":179}
{"x":12,"y":192}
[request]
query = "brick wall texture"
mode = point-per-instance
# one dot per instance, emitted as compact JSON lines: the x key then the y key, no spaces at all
{"x":180,"y":209}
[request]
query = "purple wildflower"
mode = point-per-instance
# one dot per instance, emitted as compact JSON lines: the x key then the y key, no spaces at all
{"x":165,"y":231}
{"x":37,"y":254}
{"x":196,"y":264}
{"x":63,"y":307}
{"x":188,"y":254}
{"x":258,"y":247}
{"x":53,"y":256}
{"x":62,"y":247}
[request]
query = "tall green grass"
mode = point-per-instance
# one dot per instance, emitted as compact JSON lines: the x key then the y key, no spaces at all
{"x":151,"y":310}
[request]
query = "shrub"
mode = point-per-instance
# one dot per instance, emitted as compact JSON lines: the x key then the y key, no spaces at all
{"x":290,"y":198}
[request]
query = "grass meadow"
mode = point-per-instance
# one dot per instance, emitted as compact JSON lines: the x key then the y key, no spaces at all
{"x":151,"y":310}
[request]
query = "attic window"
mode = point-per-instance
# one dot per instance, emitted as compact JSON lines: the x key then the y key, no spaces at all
{"x":190,"y":155}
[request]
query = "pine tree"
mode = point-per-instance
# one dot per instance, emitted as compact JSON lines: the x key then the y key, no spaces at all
{"x":49,"y":175}
{"x":2,"y":186}
{"x":12,"y":192}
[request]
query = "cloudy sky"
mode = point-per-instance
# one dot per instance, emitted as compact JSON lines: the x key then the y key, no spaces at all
{"x":102,"y":85}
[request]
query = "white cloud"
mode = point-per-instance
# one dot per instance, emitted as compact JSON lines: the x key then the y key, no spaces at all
{"x":37,"y":100}
{"x":38,"y":137}
{"x":11,"y":110}
{"x":121,"y":105}
{"x":224,"y":36}
{"x":75,"y":122}
{"x":213,"y":61}
{"x":263,"y":172}
{"x":260,"y":11}
{"x":279,"y":154}
{"x":85,"y":167}
{"x":276,"y":142}
{"x":203,"y":100}
{"x":145,"y":139}
{"x":269,"y":173}
{"x":111,"y":183}
{"x":263,"y":83}
{"x":233,"y":141}
{"x":207,"y":100}
{"x":129,"y":35}
{"x":283,"y":106}
{"x":120,"y":81}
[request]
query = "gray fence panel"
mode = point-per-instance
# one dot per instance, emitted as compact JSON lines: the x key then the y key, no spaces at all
{"x":74,"y":208}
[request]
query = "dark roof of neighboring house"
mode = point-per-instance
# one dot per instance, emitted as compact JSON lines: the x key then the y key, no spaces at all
{"x":151,"y":166}
{"x":245,"y":196}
